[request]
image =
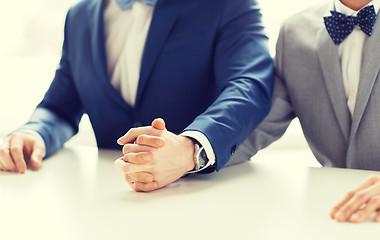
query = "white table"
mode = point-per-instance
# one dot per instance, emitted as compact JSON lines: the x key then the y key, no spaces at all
{"x":78,"y":194}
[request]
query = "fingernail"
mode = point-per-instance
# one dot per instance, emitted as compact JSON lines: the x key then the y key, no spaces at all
{"x":149,"y":179}
{"x":146,"y":157}
{"x":120,"y":138}
{"x":354,"y":217}
{"x":340,"y":216}
{"x":332,"y":213}
{"x":160,"y":143}
{"x":37,"y":161}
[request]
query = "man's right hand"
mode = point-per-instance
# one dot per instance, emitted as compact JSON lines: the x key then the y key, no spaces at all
{"x":18,"y":148}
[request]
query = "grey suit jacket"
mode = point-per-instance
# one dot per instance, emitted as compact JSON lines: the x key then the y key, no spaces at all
{"x":309,"y":86}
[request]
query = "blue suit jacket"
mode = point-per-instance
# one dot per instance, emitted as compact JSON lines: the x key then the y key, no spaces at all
{"x":205,"y":67}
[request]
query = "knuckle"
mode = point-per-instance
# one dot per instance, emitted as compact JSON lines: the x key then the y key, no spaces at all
{"x":142,"y":139}
{"x":126,"y":169}
{"x":141,"y":177}
{"x":125,"y":149}
{"x":347,"y":209}
{"x":149,"y":156}
{"x":361,"y":196}
{"x":127,"y":179}
{"x":145,"y":187}
{"x":151,"y":167}
{"x":139,"y":157}
{"x":144,"y":176}
{"x":131,"y":157}
{"x":131,"y":131}
{"x":9,"y":166}
{"x":374,"y":178}
{"x":128,"y":148}
{"x":15,"y":149}
{"x":127,"y":157}
{"x":39,"y":155}
{"x":350,"y":194}
{"x":4,"y":151}
{"x":375,"y":200}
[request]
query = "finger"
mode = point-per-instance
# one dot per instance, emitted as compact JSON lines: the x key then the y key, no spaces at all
{"x":138,"y":158}
{"x":135,"y":148}
{"x":336,"y":208}
{"x":151,"y":141}
{"x":2,"y":168}
{"x":16,"y":146}
{"x":345,"y":212}
{"x":142,"y":177}
{"x":145,"y":187}
{"x":362,"y":214}
{"x":368,"y":182}
{"x":133,"y":133}
{"x":159,"y":124}
{"x":37,"y":156}
{"x":6,"y":157}
{"x":130,"y":182}
{"x":140,"y":186}
{"x":377,"y":217}
{"x":127,"y":168}
{"x":119,"y":165}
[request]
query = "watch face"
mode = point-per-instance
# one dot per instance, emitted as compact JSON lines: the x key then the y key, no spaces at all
{"x":202,"y":160}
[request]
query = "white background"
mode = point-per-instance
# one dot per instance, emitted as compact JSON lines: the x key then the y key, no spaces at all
{"x":30,"y":45}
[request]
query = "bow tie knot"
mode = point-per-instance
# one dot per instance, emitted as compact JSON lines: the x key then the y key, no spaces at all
{"x":125,"y":4}
{"x":339,"y":26}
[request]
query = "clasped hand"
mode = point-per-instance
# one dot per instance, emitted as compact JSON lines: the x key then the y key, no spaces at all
{"x":154,"y":157}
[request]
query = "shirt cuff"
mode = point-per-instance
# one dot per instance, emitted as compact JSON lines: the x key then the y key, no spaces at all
{"x":202,"y":139}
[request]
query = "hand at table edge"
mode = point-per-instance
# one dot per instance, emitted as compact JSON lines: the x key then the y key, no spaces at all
{"x":19,"y":147}
{"x":359,"y":203}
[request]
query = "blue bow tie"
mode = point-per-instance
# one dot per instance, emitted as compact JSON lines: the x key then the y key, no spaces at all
{"x":125,"y":4}
{"x":339,"y":26}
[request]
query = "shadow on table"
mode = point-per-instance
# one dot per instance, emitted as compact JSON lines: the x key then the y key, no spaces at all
{"x":193,"y":184}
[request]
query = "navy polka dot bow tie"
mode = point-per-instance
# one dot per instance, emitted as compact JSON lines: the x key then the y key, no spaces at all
{"x":339,"y":26}
{"x":125,"y":4}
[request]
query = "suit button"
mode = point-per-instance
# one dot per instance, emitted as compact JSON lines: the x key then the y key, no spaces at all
{"x":233,"y":149}
{"x":137,"y":124}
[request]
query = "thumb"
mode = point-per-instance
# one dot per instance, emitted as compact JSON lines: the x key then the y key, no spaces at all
{"x":37,"y":155}
{"x":159,"y":124}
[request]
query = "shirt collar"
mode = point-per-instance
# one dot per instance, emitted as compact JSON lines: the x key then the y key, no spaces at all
{"x":340,"y":7}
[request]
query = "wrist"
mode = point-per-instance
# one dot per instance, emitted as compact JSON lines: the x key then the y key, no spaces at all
{"x":192,"y":149}
{"x":200,"y":159}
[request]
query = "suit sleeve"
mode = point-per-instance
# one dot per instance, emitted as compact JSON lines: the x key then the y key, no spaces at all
{"x":280,"y":115}
{"x":57,"y":117}
{"x":243,"y":73}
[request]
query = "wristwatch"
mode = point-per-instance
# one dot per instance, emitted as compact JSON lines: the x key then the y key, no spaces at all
{"x":200,"y":158}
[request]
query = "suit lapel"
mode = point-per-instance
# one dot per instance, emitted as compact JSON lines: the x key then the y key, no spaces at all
{"x":163,"y":19}
{"x":332,"y":74}
{"x":369,"y":71}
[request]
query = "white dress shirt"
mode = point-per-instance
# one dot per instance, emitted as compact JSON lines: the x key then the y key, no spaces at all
{"x":125,"y":36}
{"x":351,"y":54}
